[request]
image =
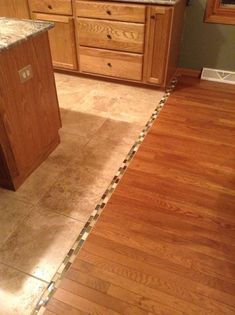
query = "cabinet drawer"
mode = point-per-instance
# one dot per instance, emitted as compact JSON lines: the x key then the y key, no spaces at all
{"x":112,"y":35}
{"x":51,"y":6}
{"x":111,"y":11}
{"x":111,"y":63}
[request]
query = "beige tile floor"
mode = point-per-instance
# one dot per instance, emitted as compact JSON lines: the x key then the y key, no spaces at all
{"x":40,"y":222}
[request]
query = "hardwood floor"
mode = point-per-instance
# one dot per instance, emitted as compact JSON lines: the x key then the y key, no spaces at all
{"x":165,"y":243}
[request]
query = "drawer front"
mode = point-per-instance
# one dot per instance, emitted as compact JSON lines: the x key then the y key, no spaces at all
{"x":111,"y":63}
{"x":111,"y":11}
{"x":51,"y":6}
{"x":111,"y":35}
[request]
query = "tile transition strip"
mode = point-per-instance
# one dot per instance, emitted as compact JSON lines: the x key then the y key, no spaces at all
{"x":73,"y":252}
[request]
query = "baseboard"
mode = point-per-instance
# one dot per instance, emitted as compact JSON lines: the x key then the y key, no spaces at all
{"x":189,"y":72}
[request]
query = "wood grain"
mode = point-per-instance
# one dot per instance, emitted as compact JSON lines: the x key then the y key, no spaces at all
{"x":111,"y":11}
{"x":175,"y":39}
{"x":63,"y":7}
{"x":14,"y":9}
{"x":215,"y":12}
{"x":114,"y":35}
{"x":157,"y":39}
{"x":29,"y":111}
{"x":111,"y":63}
{"x":61,"y":36}
{"x":164,"y":243}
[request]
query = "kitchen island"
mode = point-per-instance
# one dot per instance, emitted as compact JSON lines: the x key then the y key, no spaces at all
{"x":29,"y":111}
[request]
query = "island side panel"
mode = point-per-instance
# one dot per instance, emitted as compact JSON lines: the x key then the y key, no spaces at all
{"x":29,"y":109}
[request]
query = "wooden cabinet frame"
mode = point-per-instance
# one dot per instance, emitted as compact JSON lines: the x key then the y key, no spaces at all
{"x":216,"y":13}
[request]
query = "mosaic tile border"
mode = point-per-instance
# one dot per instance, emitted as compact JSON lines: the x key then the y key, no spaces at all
{"x":73,"y":252}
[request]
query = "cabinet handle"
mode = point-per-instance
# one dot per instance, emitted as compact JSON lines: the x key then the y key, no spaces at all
{"x":109,"y":65}
{"x":49,"y":7}
{"x":109,"y":36}
{"x":108,"y":12}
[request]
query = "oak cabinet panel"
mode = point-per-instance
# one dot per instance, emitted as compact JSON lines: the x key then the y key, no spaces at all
{"x":62,"y":40}
{"x":157,"y":43}
{"x":14,"y":9}
{"x":114,"y":35}
{"x":111,"y":11}
{"x":111,"y":63}
{"x":63,"y":7}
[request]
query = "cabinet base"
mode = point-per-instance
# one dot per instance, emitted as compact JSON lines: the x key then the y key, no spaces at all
{"x":109,"y":79}
{"x":16,"y":182}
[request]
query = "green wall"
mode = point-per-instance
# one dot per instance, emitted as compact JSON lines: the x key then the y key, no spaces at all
{"x":206,"y":44}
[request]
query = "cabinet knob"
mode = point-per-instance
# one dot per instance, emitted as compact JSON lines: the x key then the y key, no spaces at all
{"x":109,"y":36}
{"x":49,"y":7}
{"x":153,"y":17}
{"x":109,"y":64}
{"x":108,"y":12}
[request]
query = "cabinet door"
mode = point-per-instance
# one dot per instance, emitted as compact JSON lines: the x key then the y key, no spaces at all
{"x":157,"y":43}
{"x":62,"y":40}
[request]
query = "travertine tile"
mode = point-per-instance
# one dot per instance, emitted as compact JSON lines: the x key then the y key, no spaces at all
{"x":105,"y":154}
{"x":19,"y":293}
{"x":36,"y":184}
{"x":76,"y":191}
{"x":132,"y":110}
{"x":82,"y":124}
{"x":12,"y":213}
{"x":99,"y":102}
{"x":70,"y":101}
{"x":120,"y":131}
{"x":39,"y":245}
{"x":70,"y":147}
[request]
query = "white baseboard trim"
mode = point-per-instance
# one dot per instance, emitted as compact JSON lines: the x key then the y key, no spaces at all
{"x":217,"y":75}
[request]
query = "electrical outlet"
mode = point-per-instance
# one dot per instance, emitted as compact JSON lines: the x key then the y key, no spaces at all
{"x":25,"y":73}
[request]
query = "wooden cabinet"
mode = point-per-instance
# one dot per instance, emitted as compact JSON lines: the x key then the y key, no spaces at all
{"x":62,"y":40}
{"x":29,"y":111}
{"x":157,"y":42}
{"x":129,"y":41}
{"x":62,"y":36}
{"x":14,"y":9}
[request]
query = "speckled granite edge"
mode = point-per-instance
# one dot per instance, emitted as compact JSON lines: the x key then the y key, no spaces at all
{"x":15,"y":31}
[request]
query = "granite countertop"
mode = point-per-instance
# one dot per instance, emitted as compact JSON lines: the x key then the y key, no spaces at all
{"x":14,"y":31}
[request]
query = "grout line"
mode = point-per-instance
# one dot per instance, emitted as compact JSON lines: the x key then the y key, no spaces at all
{"x":25,"y":273}
{"x":73,"y":252}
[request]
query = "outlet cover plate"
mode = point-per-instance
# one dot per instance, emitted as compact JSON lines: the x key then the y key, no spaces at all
{"x":25,"y":73}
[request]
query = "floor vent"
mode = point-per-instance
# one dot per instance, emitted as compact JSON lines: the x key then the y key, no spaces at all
{"x":218,"y":75}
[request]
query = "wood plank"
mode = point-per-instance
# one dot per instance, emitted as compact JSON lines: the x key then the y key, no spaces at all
{"x":111,"y":63}
{"x":113,"y":35}
{"x":51,"y":6}
{"x":111,"y":11}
